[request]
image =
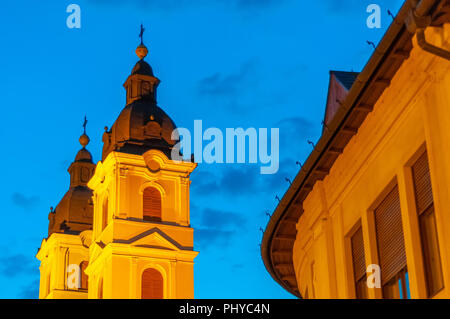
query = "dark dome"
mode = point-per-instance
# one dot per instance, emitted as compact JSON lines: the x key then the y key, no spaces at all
{"x":74,"y":212}
{"x":141,"y":126}
{"x":142,"y":68}
{"x":83,"y":156}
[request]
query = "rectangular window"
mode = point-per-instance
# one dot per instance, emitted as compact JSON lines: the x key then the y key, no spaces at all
{"x":391,"y":247}
{"x":427,"y":224}
{"x":359,"y":264}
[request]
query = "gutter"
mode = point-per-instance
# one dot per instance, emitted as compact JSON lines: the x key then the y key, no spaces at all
{"x":362,"y":82}
{"x":418,"y":21}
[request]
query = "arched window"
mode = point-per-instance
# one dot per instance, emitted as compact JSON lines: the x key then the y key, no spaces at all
{"x":84,"y":276}
{"x":152,"y":204}
{"x":105,"y":213}
{"x":152,"y":284}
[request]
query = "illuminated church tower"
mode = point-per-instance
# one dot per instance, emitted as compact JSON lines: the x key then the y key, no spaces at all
{"x":142,"y":242}
{"x":64,"y":254}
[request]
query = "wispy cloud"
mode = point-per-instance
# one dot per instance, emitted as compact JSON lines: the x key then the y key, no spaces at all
{"x":180,"y":4}
{"x":219,"y":219}
{"x":218,"y":227}
{"x":16,"y":265}
{"x":30,"y":291}
{"x":225,"y":84}
{"x":24,"y":201}
{"x":294,"y":128}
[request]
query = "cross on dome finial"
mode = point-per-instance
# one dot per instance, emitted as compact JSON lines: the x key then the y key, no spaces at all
{"x":141,"y":34}
{"x":141,"y":50}
{"x":84,"y":139}
{"x":85,"y":124}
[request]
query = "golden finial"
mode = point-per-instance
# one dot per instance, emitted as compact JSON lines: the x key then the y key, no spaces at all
{"x":141,"y":50}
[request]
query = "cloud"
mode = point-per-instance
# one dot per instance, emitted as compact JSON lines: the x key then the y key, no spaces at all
{"x":16,"y":265}
{"x":339,"y":5}
{"x":225,"y":85}
{"x":243,"y":180}
{"x":217,"y":219}
{"x":26,"y":202}
{"x":293,"y":128}
{"x":180,"y":4}
{"x":294,"y":135}
{"x":204,"y":182}
{"x":233,"y":180}
{"x":206,"y":237}
{"x":240,"y":180}
{"x":30,"y":291}
{"x":351,"y":6}
{"x":237,"y":180}
{"x":218,"y":227}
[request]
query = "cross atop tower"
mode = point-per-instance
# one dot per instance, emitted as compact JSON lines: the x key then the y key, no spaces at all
{"x":85,"y":124}
{"x":141,"y":34}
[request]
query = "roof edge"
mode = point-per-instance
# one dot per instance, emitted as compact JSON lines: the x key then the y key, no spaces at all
{"x":362,"y":82}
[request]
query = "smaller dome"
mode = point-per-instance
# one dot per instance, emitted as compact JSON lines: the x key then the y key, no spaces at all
{"x":83,"y":156}
{"x":142,"y":68}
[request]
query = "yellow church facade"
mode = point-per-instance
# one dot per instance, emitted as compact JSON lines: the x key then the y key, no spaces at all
{"x":123,"y":231}
{"x":368,"y":214}
{"x":123,"y":243}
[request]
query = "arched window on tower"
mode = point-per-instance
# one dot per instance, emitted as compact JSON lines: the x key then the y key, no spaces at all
{"x":105,"y":213}
{"x":84,"y":276}
{"x":152,"y":284}
{"x":152,"y":204}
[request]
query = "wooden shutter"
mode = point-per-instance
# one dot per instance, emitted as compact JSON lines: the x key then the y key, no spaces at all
{"x":359,"y":261}
{"x":152,"y":204}
{"x":427,"y":221}
{"x":389,"y":229}
{"x":422,"y":184}
{"x":359,"y":264}
{"x":84,"y":276}
{"x":152,"y":284}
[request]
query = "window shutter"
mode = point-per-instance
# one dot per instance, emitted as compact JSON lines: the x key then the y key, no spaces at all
{"x":359,"y":261}
{"x":152,"y":284}
{"x":152,"y":203}
{"x":359,"y":264}
{"x":422,"y":184}
{"x":427,"y":222}
{"x":389,"y":229}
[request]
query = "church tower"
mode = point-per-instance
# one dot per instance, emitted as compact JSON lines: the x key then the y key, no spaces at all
{"x":142,"y":243}
{"x":64,"y":254}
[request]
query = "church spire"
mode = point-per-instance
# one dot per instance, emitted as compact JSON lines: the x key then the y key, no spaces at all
{"x":74,"y":211}
{"x":80,"y":170}
{"x":142,"y":83}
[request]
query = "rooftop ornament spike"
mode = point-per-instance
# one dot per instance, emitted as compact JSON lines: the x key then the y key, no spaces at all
{"x":84,"y":139}
{"x":141,"y":50}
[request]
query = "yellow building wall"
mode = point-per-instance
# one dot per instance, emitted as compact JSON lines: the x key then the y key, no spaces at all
{"x":412,"y":115}
{"x":128,"y":245}
{"x":56,"y":254}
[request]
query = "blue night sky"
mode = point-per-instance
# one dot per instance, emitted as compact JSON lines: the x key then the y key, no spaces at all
{"x":230,"y":63}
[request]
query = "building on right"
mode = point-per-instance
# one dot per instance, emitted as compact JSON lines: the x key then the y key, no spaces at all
{"x":373,"y":197}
